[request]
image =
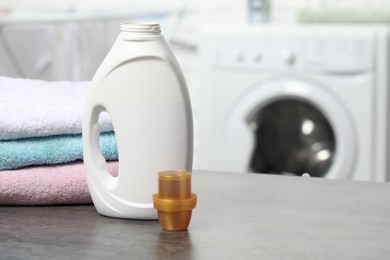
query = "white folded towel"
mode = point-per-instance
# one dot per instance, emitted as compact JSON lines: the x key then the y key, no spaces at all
{"x":32,"y":108}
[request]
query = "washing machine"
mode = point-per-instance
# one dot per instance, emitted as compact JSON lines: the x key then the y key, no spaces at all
{"x":295,"y":100}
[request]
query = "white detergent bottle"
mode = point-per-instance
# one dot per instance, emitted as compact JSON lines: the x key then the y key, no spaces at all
{"x":141,"y":86}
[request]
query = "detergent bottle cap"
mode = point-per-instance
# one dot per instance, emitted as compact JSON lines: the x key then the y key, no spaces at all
{"x":174,"y":200}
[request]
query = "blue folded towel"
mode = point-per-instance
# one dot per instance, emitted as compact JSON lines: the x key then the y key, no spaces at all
{"x":55,"y":149}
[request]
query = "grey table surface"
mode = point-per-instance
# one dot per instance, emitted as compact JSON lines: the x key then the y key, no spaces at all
{"x":238,"y":216}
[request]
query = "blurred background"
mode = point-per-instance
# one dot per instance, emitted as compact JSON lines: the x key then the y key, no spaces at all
{"x":67,"y":40}
{"x":70,"y":38}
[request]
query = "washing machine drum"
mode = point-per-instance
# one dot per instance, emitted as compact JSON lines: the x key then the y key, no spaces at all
{"x":292,"y":137}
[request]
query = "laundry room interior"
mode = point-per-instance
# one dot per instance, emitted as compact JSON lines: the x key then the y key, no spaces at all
{"x":297,"y":88}
{"x":194,"y":129}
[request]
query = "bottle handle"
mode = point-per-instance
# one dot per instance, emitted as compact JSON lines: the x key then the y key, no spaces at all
{"x":109,"y":202}
{"x":92,"y":154}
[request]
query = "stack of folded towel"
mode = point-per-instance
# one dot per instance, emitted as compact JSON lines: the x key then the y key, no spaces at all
{"x":41,"y":143}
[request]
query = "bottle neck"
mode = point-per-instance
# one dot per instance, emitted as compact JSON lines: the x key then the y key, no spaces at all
{"x":139,"y":31}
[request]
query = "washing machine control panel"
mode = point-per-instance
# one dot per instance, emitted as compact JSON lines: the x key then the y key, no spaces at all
{"x":338,"y":54}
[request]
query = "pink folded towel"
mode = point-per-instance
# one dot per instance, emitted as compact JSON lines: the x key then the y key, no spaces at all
{"x":47,"y":185}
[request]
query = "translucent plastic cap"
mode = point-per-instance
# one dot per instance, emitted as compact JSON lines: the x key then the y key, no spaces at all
{"x":174,"y":200}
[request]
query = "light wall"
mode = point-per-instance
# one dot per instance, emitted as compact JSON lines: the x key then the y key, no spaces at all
{"x":196,"y":13}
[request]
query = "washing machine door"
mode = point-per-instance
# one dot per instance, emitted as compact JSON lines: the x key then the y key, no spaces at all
{"x":288,"y":127}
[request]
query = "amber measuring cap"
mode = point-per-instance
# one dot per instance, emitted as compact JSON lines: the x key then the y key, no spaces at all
{"x":174,"y":200}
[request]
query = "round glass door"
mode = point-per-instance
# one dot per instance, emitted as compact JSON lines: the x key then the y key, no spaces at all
{"x":287,"y":126}
{"x":292,"y":137}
